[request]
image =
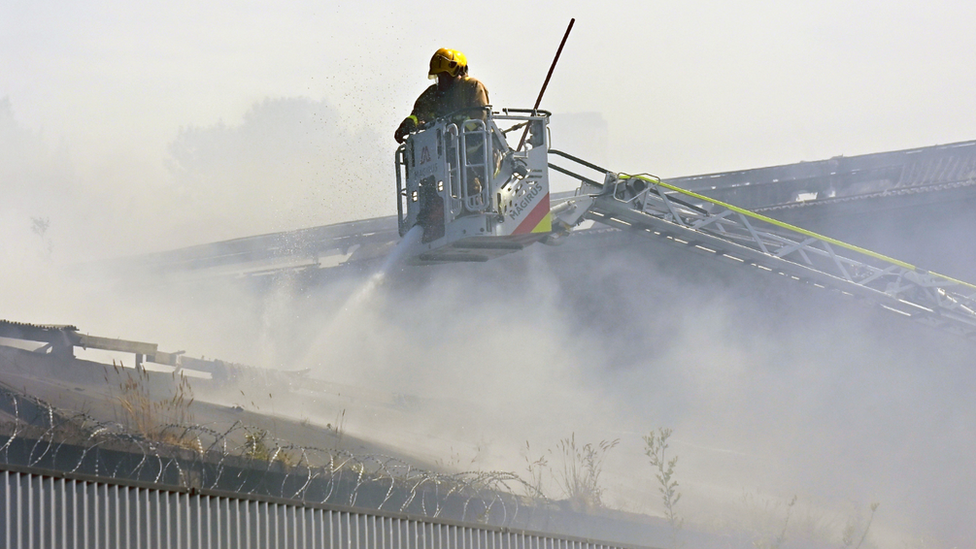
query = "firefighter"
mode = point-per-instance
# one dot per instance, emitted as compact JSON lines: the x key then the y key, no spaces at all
{"x":453,"y":92}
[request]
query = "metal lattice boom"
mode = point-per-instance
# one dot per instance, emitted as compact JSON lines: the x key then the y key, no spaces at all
{"x":645,"y":204}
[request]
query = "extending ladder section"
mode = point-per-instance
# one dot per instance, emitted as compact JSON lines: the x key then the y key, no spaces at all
{"x":645,"y":204}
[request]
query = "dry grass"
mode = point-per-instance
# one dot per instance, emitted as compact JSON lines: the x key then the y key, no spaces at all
{"x":581,"y":470}
{"x":155,"y":419}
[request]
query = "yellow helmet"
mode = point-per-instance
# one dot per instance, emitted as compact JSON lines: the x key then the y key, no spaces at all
{"x":452,"y":62}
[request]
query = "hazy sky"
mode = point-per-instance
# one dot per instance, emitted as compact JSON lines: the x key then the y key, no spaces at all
{"x":686,"y":87}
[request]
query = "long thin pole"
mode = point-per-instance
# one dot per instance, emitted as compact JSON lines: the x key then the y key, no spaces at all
{"x":548,"y":76}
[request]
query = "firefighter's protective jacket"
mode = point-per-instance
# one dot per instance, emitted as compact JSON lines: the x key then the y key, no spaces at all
{"x":466,"y":92}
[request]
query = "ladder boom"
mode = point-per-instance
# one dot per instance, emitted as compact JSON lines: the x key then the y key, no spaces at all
{"x":645,"y":204}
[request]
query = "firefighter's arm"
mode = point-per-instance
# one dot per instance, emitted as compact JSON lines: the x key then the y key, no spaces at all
{"x":422,"y":113}
{"x":408,"y":126}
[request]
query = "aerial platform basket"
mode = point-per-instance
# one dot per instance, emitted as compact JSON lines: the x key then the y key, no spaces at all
{"x":474,"y":195}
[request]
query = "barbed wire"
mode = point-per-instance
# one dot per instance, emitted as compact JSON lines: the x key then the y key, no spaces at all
{"x":247,"y":460}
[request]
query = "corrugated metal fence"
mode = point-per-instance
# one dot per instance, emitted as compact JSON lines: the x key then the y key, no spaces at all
{"x":45,"y":511}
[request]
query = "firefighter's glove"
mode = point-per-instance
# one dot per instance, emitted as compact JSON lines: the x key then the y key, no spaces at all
{"x":408,"y":126}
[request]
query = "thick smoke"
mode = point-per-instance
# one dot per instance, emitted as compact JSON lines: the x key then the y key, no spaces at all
{"x":770,"y":389}
{"x":773,"y":391}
